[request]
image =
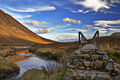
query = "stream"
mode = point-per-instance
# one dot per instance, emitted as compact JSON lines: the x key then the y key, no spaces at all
{"x":28,"y":61}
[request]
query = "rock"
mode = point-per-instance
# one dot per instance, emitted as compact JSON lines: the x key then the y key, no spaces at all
{"x":86,"y":56}
{"x":102,"y":77}
{"x":86,"y":72}
{"x":81,"y":63}
{"x":101,"y":52}
{"x":117,"y":77}
{"x":105,"y":57}
{"x":91,"y":76}
{"x":87,"y":63}
{"x":109,"y":67}
{"x":115,"y":68}
{"x":74,"y":74}
{"x":71,"y":70}
{"x":79,"y":71}
{"x":111,"y":61}
{"x":81,"y":67}
{"x":82,"y":75}
{"x":88,"y":68}
{"x":98,"y":64}
{"x":77,"y":52}
{"x":95,"y":57}
{"x":70,"y":66}
{"x":75,"y":61}
{"x":118,"y":65}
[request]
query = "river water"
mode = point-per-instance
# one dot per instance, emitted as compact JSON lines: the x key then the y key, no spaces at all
{"x":28,"y":61}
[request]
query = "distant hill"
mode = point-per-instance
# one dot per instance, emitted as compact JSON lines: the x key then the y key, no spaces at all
{"x":115,"y":34}
{"x":11,"y":31}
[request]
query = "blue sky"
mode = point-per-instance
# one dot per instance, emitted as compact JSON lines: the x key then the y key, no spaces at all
{"x":61,"y":20}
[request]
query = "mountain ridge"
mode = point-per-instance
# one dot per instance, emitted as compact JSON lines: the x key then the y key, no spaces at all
{"x":13,"y":31}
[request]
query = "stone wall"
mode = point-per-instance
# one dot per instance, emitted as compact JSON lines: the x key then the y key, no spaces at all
{"x":91,"y":65}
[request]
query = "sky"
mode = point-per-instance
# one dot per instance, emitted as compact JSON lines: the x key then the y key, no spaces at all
{"x":61,"y":20}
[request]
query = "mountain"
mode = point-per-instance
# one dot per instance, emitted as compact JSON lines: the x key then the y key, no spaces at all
{"x":14,"y":32}
{"x":115,"y":34}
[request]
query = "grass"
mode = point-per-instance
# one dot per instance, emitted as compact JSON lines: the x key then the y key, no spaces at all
{"x":36,"y":74}
{"x":6,"y":66}
{"x":112,"y":51}
{"x":5,"y":52}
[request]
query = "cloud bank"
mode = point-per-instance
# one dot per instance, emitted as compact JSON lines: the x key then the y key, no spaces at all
{"x":38,"y":25}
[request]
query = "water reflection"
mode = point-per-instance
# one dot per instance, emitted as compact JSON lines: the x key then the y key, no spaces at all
{"x":30,"y":63}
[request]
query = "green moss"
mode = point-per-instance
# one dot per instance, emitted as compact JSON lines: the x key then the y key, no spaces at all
{"x":68,"y":73}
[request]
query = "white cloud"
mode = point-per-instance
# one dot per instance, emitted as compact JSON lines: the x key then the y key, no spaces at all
{"x":105,"y":23}
{"x":44,"y":30}
{"x":105,"y":11}
{"x":57,"y":3}
{"x":61,"y":26}
{"x":66,"y":36}
{"x":36,"y":23}
{"x":73,"y":29}
{"x":87,"y":11}
{"x":114,"y":29}
{"x":115,"y":1}
{"x":79,"y":11}
{"x":101,"y":30}
{"x":71,"y":20}
{"x":93,"y":4}
{"x":34,"y":9}
{"x":88,"y":26}
{"x":39,"y":26}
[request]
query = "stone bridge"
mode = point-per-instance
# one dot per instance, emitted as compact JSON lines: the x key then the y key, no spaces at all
{"x":91,"y":63}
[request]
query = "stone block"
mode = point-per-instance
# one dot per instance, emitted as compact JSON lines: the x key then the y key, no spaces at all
{"x":87,"y":63}
{"x":117,"y":77}
{"x":98,"y":64}
{"x":118,"y":65}
{"x":102,"y":77}
{"x":101,"y":52}
{"x":105,"y":57}
{"x":91,"y":76}
{"x":81,"y":67}
{"x":78,"y":52}
{"x":82,"y":75}
{"x":74,"y":74}
{"x":95,"y":57}
{"x":109,"y":67}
